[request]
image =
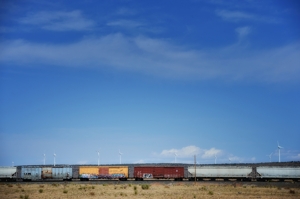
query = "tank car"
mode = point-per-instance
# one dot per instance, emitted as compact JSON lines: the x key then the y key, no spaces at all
{"x":8,"y":173}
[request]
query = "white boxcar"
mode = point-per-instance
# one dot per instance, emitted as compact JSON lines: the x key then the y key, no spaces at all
{"x":64,"y":173}
{"x":8,"y":173}
{"x":274,"y":172}
{"x":224,"y":172}
{"x":31,"y":173}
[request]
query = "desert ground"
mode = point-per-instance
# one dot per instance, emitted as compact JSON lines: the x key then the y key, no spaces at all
{"x":157,"y":190}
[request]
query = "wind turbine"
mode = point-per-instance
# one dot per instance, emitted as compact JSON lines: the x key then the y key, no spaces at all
{"x":98,"y":157}
{"x":175,"y":157}
{"x":229,"y":160}
{"x":120,"y":155}
{"x":279,"y":147}
{"x":54,"y":155}
{"x":44,"y":158}
{"x":270,"y":156}
{"x":215,"y":159}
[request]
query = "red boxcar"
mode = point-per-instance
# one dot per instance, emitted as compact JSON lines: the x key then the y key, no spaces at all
{"x":176,"y":173}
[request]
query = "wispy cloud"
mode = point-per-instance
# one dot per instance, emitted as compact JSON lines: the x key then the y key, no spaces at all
{"x":58,"y":21}
{"x":234,"y":15}
{"x":125,"y":23}
{"x":237,"y":16}
{"x":162,"y":58}
{"x":243,"y":31}
{"x":126,"y":11}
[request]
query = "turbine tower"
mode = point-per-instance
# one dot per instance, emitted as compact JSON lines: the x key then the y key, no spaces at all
{"x":44,"y":158}
{"x":120,"y":155}
{"x":98,"y":157}
{"x":279,"y":147}
{"x":215,"y":159}
{"x":54,"y":155}
{"x":175,"y":157}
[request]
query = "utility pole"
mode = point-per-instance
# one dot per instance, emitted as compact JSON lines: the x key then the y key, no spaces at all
{"x":195,"y":168}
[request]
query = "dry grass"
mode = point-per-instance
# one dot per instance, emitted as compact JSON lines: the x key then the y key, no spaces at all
{"x":155,"y":190}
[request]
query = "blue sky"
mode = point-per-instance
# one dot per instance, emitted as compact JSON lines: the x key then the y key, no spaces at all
{"x":151,"y":79}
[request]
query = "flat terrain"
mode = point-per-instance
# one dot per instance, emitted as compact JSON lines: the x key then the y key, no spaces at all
{"x":157,"y":190}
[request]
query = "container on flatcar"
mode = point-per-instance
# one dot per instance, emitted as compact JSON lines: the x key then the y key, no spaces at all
{"x":146,"y":172}
{"x":275,"y":172}
{"x":103,"y":172}
{"x":8,"y":173}
{"x":219,"y":172}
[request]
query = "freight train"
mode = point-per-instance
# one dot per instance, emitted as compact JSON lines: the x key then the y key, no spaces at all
{"x":178,"y":172}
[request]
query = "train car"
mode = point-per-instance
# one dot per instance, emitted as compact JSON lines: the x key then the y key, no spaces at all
{"x":31,"y":173}
{"x":103,"y":172}
{"x":64,"y":173}
{"x":35,"y":173}
{"x":219,"y":172}
{"x":152,"y":172}
{"x":8,"y":173}
{"x":278,"y":173}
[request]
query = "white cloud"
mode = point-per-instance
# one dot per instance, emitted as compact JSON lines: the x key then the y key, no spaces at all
{"x":210,"y":153}
{"x":82,"y":162}
{"x":58,"y":21}
{"x":190,"y":151}
{"x":235,"y":159}
{"x":160,"y":57}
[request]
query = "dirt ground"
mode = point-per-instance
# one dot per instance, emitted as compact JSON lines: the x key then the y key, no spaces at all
{"x":145,"y":191}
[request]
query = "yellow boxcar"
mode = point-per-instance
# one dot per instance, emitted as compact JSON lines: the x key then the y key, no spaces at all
{"x":103,"y":172}
{"x":88,"y":170}
{"x":115,"y":170}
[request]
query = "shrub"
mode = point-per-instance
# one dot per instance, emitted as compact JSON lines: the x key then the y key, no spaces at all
{"x":41,"y":190}
{"x":292,"y":191}
{"x":145,"y":186}
{"x":65,"y":191}
{"x":211,"y":193}
{"x":26,"y":197}
{"x":92,"y":193}
{"x":135,"y":188}
{"x":135,"y":192}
